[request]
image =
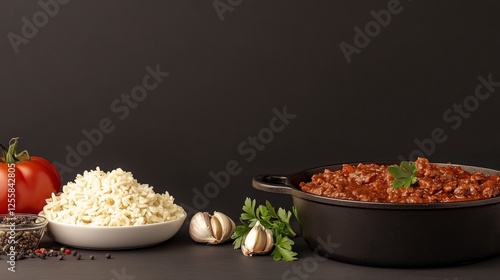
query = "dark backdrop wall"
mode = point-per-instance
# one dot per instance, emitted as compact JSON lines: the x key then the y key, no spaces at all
{"x":175,"y":91}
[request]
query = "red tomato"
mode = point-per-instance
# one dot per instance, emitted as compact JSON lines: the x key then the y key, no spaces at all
{"x":26,"y":188}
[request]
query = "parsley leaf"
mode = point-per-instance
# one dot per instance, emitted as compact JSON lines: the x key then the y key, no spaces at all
{"x":249,"y":211}
{"x":283,"y":249}
{"x":276,"y":221}
{"x":404,"y":175}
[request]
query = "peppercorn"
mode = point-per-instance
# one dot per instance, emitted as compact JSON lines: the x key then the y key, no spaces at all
{"x":74,"y":253}
{"x":92,"y":257}
{"x":78,"y":256}
{"x":108,"y":256}
{"x":60,"y":257}
{"x":25,"y":239}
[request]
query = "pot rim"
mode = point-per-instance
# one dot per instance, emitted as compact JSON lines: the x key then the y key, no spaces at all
{"x":288,"y":184}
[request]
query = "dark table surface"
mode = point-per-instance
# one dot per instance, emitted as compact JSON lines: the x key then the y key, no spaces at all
{"x":181,"y":258}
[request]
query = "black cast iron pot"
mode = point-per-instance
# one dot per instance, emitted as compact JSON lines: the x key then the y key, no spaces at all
{"x":392,"y":234}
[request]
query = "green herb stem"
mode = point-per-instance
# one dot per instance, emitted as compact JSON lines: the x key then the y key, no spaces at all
{"x":11,"y":155}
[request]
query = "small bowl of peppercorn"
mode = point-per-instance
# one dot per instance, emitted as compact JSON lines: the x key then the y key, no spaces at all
{"x":20,"y":234}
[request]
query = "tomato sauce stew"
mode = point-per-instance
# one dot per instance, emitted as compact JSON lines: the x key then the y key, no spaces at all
{"x":372,"y":182}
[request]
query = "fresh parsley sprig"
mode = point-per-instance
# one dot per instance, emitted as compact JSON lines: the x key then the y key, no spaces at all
{"x":404,"y":175}
{"x":276,"y":221}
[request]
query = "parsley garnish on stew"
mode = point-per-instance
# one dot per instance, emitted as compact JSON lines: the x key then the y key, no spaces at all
{"x":404,"y":175}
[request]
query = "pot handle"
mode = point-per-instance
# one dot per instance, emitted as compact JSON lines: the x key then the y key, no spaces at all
{"x":272,"y":183}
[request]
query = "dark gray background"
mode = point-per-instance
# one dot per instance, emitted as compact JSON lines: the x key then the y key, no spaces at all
{"x":227,"y":76}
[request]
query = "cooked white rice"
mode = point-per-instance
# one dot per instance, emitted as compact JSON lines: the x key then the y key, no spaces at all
{"x":110,"y":199}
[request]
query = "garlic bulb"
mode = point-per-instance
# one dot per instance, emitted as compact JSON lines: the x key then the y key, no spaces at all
{"x":258,"y":241}
{"x":211,"y":229}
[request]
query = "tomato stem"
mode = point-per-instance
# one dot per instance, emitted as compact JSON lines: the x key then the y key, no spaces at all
{"x":11,"y":155}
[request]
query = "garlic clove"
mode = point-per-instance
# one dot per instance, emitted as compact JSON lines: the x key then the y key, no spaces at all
{"x":205,"y":228}
{"x":258,"y":241}
{"x":245,"y":251}
{"x":216,"y":228}
{"x":269,"y":241}
{"x":227,"y":226}
{"x":200,"y":228}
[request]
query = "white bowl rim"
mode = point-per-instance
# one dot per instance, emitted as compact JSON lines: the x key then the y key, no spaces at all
{"x":179,"y":219}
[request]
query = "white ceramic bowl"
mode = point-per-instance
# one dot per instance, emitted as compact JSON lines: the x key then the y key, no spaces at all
{"x":113,"y":237}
